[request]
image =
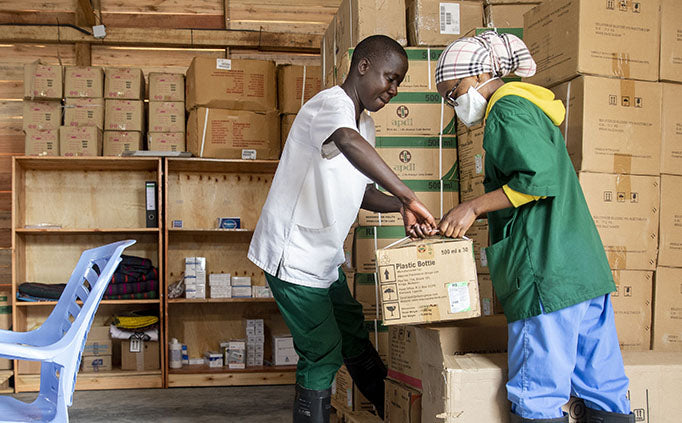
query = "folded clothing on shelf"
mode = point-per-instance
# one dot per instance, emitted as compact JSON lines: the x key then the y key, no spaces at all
{"x":135,"y":278}
{"x":34,"y":291}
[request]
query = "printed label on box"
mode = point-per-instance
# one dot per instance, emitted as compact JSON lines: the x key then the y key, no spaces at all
{"x":224,"y":64}
{"x":449,"y":18}
{"x":458,"y":293}
{"x":248,"y":154}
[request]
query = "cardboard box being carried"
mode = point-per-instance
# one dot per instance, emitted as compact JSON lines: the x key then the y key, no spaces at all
{"x":124,"y":83}
{"x":506,"y":15}
{"x":609,"y":38}
{"x":402,"y":404}
{"x":438,"y":196}
{"x":84,"y":112}
{"x":233,"y":134}
{"x":438,"y":23}
{"x":428,"y":281}
{"x":370,"y":238}
{"x":39,"y":115}
{"x":296,"y":85}
{"x":626,"y":210}
{"x":667,"y":327}
{"x":420,"y":157}
{"x":671,"y":149}
{"x":166,"y":116}
{"x":632,"y":308}
{"x":147,"y":358}
{"x":42,"y":143}
{"x":670,"y":246}
{"x":612,"y":126}
{"x":83,"y":81}
{"x":415,"y":114}
{"x":124,"y":115}
{"x":166,"y":141}
{"x":42,"y":81}
{"x":80,"y":141}
{"x":166,"y":86}
{"x":671,"y":42}
{"x":231,"y":84}
{"x":358,"y":19}
{"x":116,"y":142}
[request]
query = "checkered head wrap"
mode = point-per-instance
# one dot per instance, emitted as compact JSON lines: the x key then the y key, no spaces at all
{"x":489,"y":52}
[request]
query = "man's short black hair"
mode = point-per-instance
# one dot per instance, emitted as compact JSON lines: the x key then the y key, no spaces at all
{"x":376,"y":47}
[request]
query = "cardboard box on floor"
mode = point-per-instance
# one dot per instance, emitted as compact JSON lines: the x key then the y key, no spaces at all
{"x":632,"y":308}
{"x":358,"y":19}
{"x":625,"y":210}
{"x":667,"y":327}
{"x":41,"y":143}
{"x":506,"y":15}
{"x":75,"y":141}
{"x":5,"y":321}
{"x":428,"y":281}
{"x":610,"y":38}
{"x":402,"y":404}
{"x":124,"y":115}
{"x":166,"y":141}
{"x":671,"y":42}
{"x":43,"y":81}
{"x":437,"y":195}
{"x":438,"y":23}
{"x":116,"y":142}
{"x":166,"y":86}
{"x":83,"y":81}
{"x":238,"y":84}
{"x":233,"y":134}
{"x":670,"y":245}
{"x":40,"y":115}
{"x":612,"y":126}
{"x":84,"y":112}
{"x":296,"y":85}
{"x":124,"y":83}
{"x":671,"y":149}
{"x":146,"y":359}
{"x":415,"y":114}
{"x":420,"y":157}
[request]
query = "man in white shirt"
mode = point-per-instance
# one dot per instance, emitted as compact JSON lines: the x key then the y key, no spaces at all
{"x":326,"y":174}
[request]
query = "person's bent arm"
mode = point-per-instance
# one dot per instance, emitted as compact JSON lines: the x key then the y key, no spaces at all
{"x":457,"y":221}
{"x":376,"y":201}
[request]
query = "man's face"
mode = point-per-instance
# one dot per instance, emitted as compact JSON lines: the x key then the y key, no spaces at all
{"x":454,"y":88}
{"x":380,"y":80}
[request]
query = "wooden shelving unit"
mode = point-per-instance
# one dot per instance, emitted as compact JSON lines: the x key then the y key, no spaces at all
{"x":198,"y":191}
{"x":83,"y":203}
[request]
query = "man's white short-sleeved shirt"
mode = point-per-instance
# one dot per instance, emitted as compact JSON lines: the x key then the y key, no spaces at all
{"x":315,"y":196}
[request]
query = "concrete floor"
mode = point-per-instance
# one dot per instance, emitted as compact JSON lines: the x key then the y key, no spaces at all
{"x":252,"y":404}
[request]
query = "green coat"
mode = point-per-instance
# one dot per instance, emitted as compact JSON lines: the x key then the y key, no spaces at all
{"x":546,"y":251}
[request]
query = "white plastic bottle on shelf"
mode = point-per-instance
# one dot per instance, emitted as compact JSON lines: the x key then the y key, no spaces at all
{"x":175,"y":354}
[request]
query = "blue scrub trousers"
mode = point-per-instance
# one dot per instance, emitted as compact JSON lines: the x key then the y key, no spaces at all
{"x":573,"y":351}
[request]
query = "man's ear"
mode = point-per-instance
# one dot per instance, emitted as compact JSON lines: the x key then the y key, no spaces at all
{"x":363,"y":66}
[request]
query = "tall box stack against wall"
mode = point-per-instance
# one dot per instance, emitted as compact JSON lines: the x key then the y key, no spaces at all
{"x":632,"y":304}
{"x":232,"y":109}
{"x":295,"y":85}
{"x":81,"y":134}
{"x":42,"y":112}
{"x":671,"y":149}
{"x":667,"y":327}
{"x":670,"y":247}
{"x":610,"y":38}
{"x":166,"y":112}
{"x":124,"y":123}
{"x":671,"y":41}
{"x":438,"y":23}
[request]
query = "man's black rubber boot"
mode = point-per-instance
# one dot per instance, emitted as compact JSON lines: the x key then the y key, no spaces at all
{"x":368,"y":373}
{"x":312,"y":406}
{"x":515,"y":418}
{"x":599,"y":416}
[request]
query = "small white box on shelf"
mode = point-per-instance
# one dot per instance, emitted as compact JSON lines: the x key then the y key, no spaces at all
{"x":241,"y":281}
{"x":241,"y":292}
{"x":213,"y":359}
{"x":236,"y":355}
{"x":219,"y":279}
{"x":283,"y":352}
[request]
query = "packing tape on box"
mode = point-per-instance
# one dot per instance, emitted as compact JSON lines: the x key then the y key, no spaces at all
{"x":617,"y":256}
{"x":203,"y":136}
{"x":303,"y":86}
{"x":622,"y":163}
{"x":620,"y":65}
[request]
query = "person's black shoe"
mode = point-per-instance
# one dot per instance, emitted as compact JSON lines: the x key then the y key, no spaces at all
{"x":368,"y":373}
{"x":312,"y":406}
{"x":599,"y":416}
{"x":515,"y":418}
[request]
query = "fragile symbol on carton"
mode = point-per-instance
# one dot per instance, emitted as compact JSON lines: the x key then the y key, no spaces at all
{"x":639,"y":414}
{"x":621,"y":197}
{"x":627,"y":291}
{"x":638,"y":102}
{"x":389,"y":292}
{"x":634,"y":198}
{"x":391,"y":311}
{"x":608,"y":196}
{"x":611,"y":4}
{"x":387,"y":273}
{"x":626,"y":101}
{"x":636,"y":7}
{"x":623,"y":5}
{"x":613,"y":100}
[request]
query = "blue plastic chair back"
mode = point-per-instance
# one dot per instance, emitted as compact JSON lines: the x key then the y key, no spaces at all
{"x":58,"y":343}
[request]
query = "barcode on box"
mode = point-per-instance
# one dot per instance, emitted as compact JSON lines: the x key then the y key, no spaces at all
{"x":449,"y":18}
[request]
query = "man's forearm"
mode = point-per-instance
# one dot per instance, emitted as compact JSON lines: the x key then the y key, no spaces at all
{"x":490,"y":202}
{"x":377,"y":201}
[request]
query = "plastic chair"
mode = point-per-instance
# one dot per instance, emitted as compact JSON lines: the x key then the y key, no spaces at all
{"x":58,"y":343}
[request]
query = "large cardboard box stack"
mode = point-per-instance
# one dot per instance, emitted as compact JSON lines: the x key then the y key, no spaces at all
{"x":166,"y":112}
{"x":295,"y":85}
{"x":232,"y":109}
{"x":42,"y":113}
{"x":667,"y":326}
{"x":671,"y":41}
{"x":124,"y":123}
{"x":632,"y":304}
{"x":81,"y":134}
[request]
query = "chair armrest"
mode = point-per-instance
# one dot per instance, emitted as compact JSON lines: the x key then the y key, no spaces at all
{"x":12,"y":337}
{"x":26,"y":352}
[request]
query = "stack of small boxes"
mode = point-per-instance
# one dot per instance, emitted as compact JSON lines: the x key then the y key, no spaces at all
{"x":235,"y":352}
{"x":255,"y":341}
{"x":43,"y":86}
{"x":241,"y":287}
{"x":219,"y":284}
{"x":195,"y":277}
{"x":166,"y":112}
{"x":124,"y":110}
{"x":81,"y":134}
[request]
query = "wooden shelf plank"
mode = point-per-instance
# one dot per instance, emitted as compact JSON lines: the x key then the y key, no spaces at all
{"x":118,"y":379}
{"x":219,"y":300}
{"x":20,"y":303}
{"x":201,"y":231}
{"x":277,"y":376}
{"x":203,"y":369}
{"x":88,"y":163}
{"x":222,"y":165}
{"x":79,"y":231}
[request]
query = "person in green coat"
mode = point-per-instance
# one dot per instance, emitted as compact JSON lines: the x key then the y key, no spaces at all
{"x":546,"y":259}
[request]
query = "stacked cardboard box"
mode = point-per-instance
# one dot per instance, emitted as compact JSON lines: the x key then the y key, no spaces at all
{"x":166,"y":112}
{"x":97,"y":351}
{"x":507,"y":13}
{"x":195,"y":277}
{"x":43,"y":88}
{"x":124,"y":110}
{"x":438,"y":23}
{"x":255,"y":342}
{"x":295,"y":85}
{"x":232,"y":109}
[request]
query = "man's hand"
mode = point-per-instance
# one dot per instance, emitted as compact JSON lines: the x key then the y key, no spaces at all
{"x":419,"y":222}
{"x":457,"y":221}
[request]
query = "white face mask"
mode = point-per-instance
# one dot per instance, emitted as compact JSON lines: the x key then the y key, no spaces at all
{"x":470,"y":106}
